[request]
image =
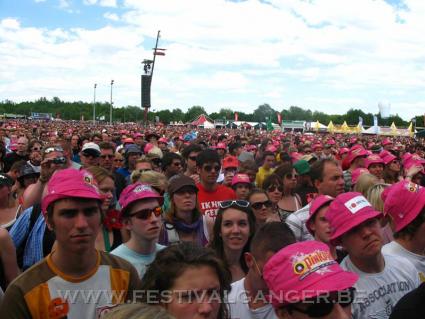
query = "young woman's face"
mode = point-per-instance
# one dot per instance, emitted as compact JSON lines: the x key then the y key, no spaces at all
{"x":107,"y":188}
{"x":275,"y":193}
{"x":185,"y":199}
{"x":234,"y":229}
{"x":290,"y":180}
{"x":261,"y":206}
{"x":195,"y":294}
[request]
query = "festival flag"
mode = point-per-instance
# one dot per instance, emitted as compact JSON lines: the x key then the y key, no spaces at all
{"x":410,"y":129}
{"x":279,"y":118}
{"x":236,"y":116}
{"x":158,"y":51}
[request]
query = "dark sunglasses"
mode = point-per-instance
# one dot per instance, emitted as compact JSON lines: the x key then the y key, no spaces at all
{"x":147,"y":213}
{"x":107,"y":156}
{"x":323,"y":306}
{"x":259,"y":205}
{"x":192,"y":158}
{"x":272,"y":188}
{"x":209,"y":168}
{"x":291,"y":176}
{"x":239,"y":202}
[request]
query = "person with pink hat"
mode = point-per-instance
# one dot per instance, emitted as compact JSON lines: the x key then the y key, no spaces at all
{"x":355,"y":159}
{"x":404,"y":203}
{"x":383,"y":279}
{"x":305,"y":281}
{"x":242,"y":185}
{"x":375,"y":164}
{"x":317,"y":150}
{"x":414,"y":171}
{"x":387,"y":144}
{"x":141,"y":216}
{"x":356,"y":175}
{"x":72,"y":210}
{"x":221,"y":149}
{"x":392,"y":168}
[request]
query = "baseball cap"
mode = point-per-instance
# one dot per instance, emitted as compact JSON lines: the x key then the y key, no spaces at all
{"x":230,"y":161}
{"x":304,"y":270}
{"x":302,"y":167}
{"x":315,"y":205}
{"x":135,"y":192}
{"x":27,"y":170}
{"x":316,"y":146}
{"x":177,"y":182}
{"x":357,"y":173}
{"x":70,"y":183}
{"x":91,"y":148}
{"x":6,"y":180}
{"x":240,"y":178}
{"x":404,"y":201}
{"x":220,"y":146}
{"x":373,"y":159}
{"x":347,"y":211}
{"x":410,"y":163}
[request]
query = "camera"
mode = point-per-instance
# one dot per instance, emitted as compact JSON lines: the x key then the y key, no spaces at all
{"x":59,"y":160}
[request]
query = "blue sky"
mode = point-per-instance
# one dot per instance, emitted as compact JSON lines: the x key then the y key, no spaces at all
{"x":326,"y":55}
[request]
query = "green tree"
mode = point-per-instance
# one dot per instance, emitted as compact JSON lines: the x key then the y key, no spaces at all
{"x":263,"y":111}
{"x":193,"y":112}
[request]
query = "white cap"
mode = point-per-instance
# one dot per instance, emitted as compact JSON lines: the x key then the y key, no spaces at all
{"x":91,"y":147}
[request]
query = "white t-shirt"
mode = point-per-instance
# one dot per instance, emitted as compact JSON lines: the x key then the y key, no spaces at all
{"x":239,"y":308}
{"x":377,"y":294}
{"x":139,"y":261}
{"x":297,"y":222}
{"x":394,"y":248}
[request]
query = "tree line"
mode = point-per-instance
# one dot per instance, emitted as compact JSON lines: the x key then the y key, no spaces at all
{"x":82,"y":110}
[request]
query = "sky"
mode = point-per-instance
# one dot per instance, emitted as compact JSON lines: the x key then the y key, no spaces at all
{"x":324,"y":55}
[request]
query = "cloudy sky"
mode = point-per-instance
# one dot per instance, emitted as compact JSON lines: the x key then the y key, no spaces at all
{"x":326,"y":55}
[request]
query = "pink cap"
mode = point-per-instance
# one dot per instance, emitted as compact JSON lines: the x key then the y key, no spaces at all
{"x":240,"y":178}
{"x":304,"y":270}
{"x":230,"y":161}
{"x":250,"y":147}
{"x":148,"y":147}
{"x":135,"y":192}
{"x":386,"y":142}
{"x":343,"y":150}
{"x":404,"y":201}
{"x":347,"y":211}
{"x":373,"y":159}
{"x":220,"y":146}
{"x":410,"y":163}
{"x":315,"y":205}
{"x":128,"y":140}
{"x":316,"y":146}
{"x":70,"y":183}
{"x":388,"y":158}
{"x":271,"y":148}
{"x":417,"y":158}
{"x":331,"y":142}
{"x":163,"y":140}
{"x":296,"y":157}
{"x":406,"y":157}
{"x":357,"y":173}
{"x":356,"y":152}
{"x":137,"y":135}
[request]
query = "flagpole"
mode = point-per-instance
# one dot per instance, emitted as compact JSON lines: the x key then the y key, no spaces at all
{"x":153,"y":66}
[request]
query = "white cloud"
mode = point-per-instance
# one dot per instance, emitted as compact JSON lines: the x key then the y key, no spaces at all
{"x":329,"y":55}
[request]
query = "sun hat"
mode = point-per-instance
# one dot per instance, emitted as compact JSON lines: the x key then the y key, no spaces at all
{"x":387,"y":157}
{"x":373,"y":159}
{"x":356,"y":152}
{"x":304,"y":270}
{"x":357,"y":173}
{"x":240,"y":178}
{"x":315,"y":205}
{"x":135,"y":192}
{"x":404,"y":201}
{"x":347,"y":211}
{"x":70,"y":183}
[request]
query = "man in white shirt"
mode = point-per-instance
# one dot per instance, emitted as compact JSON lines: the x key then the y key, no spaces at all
{"x":327,"y":177}
{"x":405,"y":203}
{"x":383,"y":279}
{"x":141,"y":215}
{"x":247,"y":298}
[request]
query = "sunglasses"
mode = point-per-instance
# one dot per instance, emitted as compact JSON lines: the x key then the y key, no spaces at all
{"x":272,"y":188}
{"x":239,"y":202}
{"x":323,"y":306}
{"x":258,"y":205}
{"x":36,"y":149}
{"x":291,"y":176}
{"x":209,"y":168}
{"x":145,"y":214}
{"x":192,"y":158}
{"x":107,"y":156}
{"x":53,"y":149}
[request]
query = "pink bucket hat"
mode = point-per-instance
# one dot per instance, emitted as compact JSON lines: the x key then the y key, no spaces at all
{"x":240,"y":178}
{"x":388,"y":157}
{"x":135,"y":192}
{"x":403,"y":202}
{"x":68,"y":183}
{"x":163,"y":140}
{"x":315,"y":205}
{"x":386,"y":142}
{"x":357,"y":173}
{"x":373,"y":159}
{"x":316,"y":146}
{"x":271,"y":148}
{"x":410,"y":163}
{"x":343,"y":150}
{"x":347,"y":211}
{"x":304,"y":270}
{"x":220,"y":146}
{"x":356,"y":152}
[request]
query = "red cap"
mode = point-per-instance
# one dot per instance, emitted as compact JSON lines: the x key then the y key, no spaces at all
{"x":220,"y":146}
{"x":230,"y":161}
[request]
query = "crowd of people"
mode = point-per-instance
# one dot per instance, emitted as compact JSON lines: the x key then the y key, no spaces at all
{"x":122,"y":221}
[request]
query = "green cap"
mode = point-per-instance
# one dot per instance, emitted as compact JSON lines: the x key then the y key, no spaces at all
{"x":302,"y":167}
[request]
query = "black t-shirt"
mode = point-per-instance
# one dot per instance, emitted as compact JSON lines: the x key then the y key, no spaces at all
{"x":411,"y":306}
{"x":306,"y":193}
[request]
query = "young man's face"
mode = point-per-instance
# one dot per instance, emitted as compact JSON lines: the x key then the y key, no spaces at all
{"x":321,"y":226}
{"x":364,"y":240}
{"x":106,"y":159}
{"x":175,"y":167}
{"x":191,"y":161}
{"x":269,"y":161}
{"x":208,"y":172}
{"x":88,"y":160}
{"x":144,"y":228}
{"x":76,"y":223}
{"x":377,"y":169}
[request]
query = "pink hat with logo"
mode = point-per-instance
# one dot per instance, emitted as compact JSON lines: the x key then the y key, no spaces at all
{"x":403,"y":202}
{"x":304,"y":270}
{"x":373,"y":159}
{"x":315,"y":205}
{"x":135,"y":192}
{"x":347,"y":211}
{"x":240,"y":178}
{"x":68,"y":183}
{"x":220,"y":146}
{"x":357,"y":173}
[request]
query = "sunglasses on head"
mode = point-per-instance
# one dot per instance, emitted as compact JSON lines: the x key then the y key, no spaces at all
{"x":258,"y":205}
{"x":147,"y":213}
{"x":239,"y":202}
{"x":323,"y":305}
{"x":209,"y":168}
{"x":53,"y":149}
{"x":272,"y":188}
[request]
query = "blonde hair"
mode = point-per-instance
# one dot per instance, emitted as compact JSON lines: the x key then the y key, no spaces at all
{"x":155,"y":179}
{"x":364,"y":183}
{"x":374,"y":196}
{"x":100,"y":174}
{"x":138,"y":311}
